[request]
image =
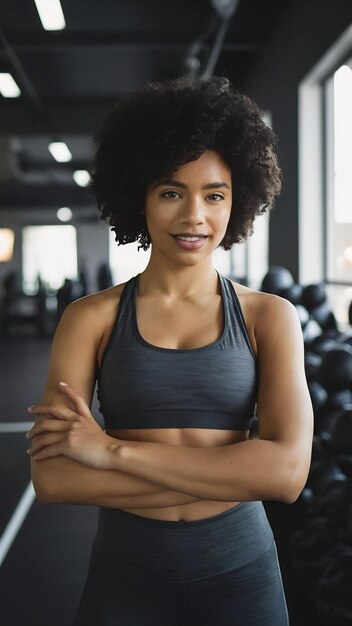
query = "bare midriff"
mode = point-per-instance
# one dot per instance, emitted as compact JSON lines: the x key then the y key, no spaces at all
{"x":195,"y":437}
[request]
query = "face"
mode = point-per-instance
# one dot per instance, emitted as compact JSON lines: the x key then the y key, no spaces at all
{"x":197,"y":200}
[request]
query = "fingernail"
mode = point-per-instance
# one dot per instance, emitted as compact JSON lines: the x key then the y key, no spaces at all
{"x":29,"y":451}
{"x":27,"y":435}
{"x":30,"y":409}
{"x":63,"y":384}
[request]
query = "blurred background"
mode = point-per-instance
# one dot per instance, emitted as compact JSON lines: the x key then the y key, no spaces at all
{"x":60,"y":65}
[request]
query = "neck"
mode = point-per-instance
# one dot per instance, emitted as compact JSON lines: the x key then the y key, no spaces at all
{"x":178,"y":282}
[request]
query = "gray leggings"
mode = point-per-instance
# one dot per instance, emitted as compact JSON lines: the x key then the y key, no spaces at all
{"x":220,"y":570}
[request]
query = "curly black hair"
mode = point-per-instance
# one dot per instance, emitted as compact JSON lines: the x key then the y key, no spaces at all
{"x":147,"y":134}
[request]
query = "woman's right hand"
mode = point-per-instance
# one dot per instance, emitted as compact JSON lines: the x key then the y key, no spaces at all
{"x":72,"y":433}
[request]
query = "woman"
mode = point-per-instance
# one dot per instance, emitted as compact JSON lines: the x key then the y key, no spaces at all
{"x":183,"y":356}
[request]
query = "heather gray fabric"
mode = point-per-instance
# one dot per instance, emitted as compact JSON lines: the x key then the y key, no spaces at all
{"x":145,"y":386}
{"x":220,"y":570}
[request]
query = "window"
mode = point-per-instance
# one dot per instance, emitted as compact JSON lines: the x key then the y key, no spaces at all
{"x":48,"y":252}
{"x":325,"y":175}
{"x":338,"y":205}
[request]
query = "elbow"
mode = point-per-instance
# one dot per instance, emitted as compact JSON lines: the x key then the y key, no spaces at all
{"x":44,"y":497}
{"x":39,"y":493}
{"x":292,"y":497}
{"x":43,"y":494}
{"x":295,"y":483}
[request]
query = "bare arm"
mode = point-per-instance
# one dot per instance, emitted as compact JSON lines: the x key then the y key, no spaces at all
{"x":71,"y":482}
{"x":273,"y":467}
{"x":61,"y":479}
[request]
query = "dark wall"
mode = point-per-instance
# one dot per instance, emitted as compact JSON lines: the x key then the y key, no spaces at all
{"x":304,"y":33}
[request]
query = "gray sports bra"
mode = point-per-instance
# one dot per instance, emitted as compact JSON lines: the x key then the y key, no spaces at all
{"x":145,"y":386}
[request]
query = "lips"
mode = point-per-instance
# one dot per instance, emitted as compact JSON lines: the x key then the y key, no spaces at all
{"x":190,"y":235}
{"x":189,"y":244}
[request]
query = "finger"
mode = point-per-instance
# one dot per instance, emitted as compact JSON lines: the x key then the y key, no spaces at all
{"x":48,"y":452}
{"x":47,"y":425}
{"x":38,"y":419}
{"x":44,"y":440}
{"x":57,"y":412}
{"x":79,"y":402}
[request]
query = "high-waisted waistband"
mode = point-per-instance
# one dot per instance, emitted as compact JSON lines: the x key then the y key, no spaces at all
{"x":182,"y":551}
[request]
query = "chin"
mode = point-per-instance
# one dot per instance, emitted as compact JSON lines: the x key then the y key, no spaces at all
{"x":193,"y":261}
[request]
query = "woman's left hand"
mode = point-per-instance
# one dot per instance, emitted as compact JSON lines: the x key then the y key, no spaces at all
{"x":74,"y":434}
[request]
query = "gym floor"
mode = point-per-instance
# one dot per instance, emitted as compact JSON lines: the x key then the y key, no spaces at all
{"x":44,"y":549}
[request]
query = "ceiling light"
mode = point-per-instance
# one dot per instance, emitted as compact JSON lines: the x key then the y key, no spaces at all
{"x":81,"y":177}
{"x":50,"y":13}
{"x":60,"y":151}
{"x":8,"y":86}
{"x":64,"y":214}
{"x":225,"y":8}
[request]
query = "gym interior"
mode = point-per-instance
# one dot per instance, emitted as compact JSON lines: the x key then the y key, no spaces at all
{"x":294,"y":58}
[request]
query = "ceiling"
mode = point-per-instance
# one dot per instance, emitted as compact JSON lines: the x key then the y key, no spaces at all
{"x":107,"y":48}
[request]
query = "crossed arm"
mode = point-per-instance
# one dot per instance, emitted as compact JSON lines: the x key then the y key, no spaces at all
{"x":62,"y":479}
{"x":275,"y":466}
{"x":67,"y":481}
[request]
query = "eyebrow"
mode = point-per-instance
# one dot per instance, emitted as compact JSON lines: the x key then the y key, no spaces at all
{"x":176,"y":183}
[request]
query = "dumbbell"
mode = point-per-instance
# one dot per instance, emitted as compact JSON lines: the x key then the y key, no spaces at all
{"x":276,"y":279}
{"x":335,"y":371}
{"x":293,"y":293}
{"x":313,"y":296}
{"x":312,"y":363}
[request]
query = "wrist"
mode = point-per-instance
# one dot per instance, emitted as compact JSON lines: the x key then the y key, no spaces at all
{"x":114,"y":453}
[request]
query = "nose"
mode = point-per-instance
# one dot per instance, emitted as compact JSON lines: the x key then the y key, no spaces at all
{"x":193,"y":211}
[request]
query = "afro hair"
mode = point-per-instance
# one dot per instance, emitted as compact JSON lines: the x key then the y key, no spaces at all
{"x":148,"y":133}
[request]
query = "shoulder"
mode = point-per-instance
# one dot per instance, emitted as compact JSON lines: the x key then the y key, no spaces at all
{"x":97,"y":303}
{"x":261,"y":302}
{"x":78,"y":338}
{"x":266,"y":314}
{"x":94,"y":313}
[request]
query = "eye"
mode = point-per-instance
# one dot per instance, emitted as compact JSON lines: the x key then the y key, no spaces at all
{"x":214,"y":196}
{"x":163,"y":195}
{"x":218,"y":196}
